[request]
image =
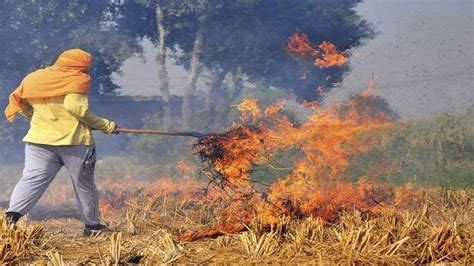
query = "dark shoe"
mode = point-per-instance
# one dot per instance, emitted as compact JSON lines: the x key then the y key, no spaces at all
{"x":12,"y":217}
{"x":90,"y":230}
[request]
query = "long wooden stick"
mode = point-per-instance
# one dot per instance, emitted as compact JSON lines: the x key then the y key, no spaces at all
{"x":157,"y":132}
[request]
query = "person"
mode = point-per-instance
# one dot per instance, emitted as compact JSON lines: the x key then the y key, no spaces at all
{"x":55,"y":99}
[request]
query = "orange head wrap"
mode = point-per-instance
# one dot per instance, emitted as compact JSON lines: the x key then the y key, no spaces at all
{"x":67,"y":75}
{"x":75,"y":59}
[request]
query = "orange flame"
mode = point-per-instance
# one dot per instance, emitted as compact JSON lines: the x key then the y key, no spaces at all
{"x":327,"y":141}
{"x":331,"y":57}
{"x":300,"y":45}
{"x":314,"y":185}
{"x":323,"y":55}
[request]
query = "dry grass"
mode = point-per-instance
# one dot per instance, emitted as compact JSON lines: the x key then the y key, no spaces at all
{"x":21,"y":241}
{"x":115,"y":250}
{"x":259,"y":246}
{"x":132,"y":219}
{"x":437,"y":230}
{"x":167,"y":249}
{"x":55,"y":259}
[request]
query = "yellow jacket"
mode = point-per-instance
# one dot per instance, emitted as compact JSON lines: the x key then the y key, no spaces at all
{"x":63,"y":120}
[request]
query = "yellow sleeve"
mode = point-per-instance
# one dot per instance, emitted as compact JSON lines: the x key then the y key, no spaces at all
{"x":78,"y":106}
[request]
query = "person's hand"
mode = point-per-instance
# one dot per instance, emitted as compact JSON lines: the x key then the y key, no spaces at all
{"x":115,"y":130}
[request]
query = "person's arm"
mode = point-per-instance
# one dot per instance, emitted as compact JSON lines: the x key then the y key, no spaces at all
{"x":78,"y":106}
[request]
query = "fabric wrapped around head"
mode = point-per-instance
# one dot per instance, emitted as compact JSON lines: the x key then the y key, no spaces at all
{"x":75,"y":59}
{"x":67,"y":75}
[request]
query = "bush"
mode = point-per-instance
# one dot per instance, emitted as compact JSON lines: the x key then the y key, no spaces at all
{"x":437,"y":151}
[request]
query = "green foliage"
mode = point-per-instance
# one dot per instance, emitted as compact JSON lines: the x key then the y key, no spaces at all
{"x":34,"y":32}
{"x":437,"y":151}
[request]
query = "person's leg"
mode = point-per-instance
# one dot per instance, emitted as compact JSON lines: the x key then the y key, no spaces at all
{"x":12,"y":217}
{"x":80,"y":162}
{"x":41,"y":166}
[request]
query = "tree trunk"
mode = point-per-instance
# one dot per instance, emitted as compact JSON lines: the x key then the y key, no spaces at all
{"x":187,"y":108}
{"x":162,"y":71}
{"x":214,"y":98}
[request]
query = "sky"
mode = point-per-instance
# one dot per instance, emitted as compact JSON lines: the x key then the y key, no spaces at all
{"x":423,"y":59}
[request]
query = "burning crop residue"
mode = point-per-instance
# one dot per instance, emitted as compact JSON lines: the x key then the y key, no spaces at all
{"x":317,"y":155}
{"x":314,"y":185}
{"x":219,"y":152}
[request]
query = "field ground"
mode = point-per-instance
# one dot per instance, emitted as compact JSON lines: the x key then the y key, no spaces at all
{"x":439,"y":229}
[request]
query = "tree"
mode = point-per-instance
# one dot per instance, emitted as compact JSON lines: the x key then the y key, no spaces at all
{"x":33,"y":33}
{"x":137,"y":20}
{"x":245,"y":40}
{"x":263,"y":56}
{"x":179,"y":29}
{"x":189,"y":19}
{"x":161,"y":59}
{"x":195,"y":31}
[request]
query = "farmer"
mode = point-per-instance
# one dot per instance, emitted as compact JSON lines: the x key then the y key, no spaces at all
{"x":56,"y":100}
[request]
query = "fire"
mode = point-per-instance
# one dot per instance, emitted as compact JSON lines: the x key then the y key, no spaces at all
{"x":249,"y":109}
{"x":313,"y":184}
{"x":299,"y":44}
{"x":323,"y":55}
{"x":326,"y":142}
{"x":331,"y":57}
{"x":328,"y":139}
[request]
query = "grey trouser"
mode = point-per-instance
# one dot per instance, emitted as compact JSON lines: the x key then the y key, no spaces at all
{"x":43,"y":162}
